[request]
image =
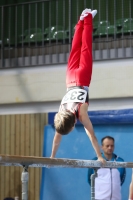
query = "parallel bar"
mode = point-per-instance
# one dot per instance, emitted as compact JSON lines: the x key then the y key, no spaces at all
{"x":7,"y":160}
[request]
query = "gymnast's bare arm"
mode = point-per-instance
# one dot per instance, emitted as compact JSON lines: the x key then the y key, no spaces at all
{"x":84,"y":119}
{"x":56,"y":143}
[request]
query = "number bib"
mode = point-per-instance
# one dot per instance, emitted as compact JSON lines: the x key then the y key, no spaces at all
{"x":75,"y":95}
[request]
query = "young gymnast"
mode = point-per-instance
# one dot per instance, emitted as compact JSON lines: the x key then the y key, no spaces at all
{"x":74,"y":104}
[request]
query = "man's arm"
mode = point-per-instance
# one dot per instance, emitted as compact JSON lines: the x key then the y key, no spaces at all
{"x":84,"y":118}
{"x":90,"y":172}
{"x":121,"y":170}
{"x":56,"y":143}
{"x":123,"y":175}
{"x":131,"y":189}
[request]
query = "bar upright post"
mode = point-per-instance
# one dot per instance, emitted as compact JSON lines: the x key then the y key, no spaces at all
{"x":24,"y":179}
{"x":93,"y":176}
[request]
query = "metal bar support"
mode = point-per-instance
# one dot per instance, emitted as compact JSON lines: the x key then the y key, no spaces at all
{"x":93,"y":176}
{"x":25,"y":179}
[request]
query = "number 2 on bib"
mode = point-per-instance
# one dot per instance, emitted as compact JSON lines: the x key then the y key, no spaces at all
{"x":75,"y":95}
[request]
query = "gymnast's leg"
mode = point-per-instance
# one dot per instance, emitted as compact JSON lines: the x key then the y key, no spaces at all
{"x":74,"y":58}
{"x":84,"y":72}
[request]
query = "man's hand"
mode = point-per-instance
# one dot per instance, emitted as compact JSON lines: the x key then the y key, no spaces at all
{"x":102,"y":160}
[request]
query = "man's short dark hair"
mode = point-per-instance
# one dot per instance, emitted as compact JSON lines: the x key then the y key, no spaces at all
{"x":107,"y":137}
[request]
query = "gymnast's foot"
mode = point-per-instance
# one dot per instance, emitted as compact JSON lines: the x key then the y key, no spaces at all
{"x":85,"y":13}
{"x":93,"y":12}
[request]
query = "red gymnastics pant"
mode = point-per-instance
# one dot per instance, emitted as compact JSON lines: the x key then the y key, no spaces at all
{"x":79,"y":67}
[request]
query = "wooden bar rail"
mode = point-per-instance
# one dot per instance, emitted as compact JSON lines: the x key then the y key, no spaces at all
{"x":31,"y":161}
